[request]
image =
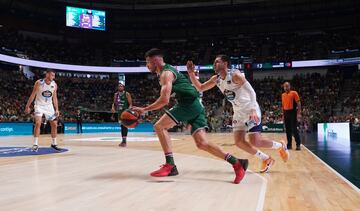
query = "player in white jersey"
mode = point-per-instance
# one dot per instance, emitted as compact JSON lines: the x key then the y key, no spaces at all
{"x":45,"y":95}
{"x":247,"y":114}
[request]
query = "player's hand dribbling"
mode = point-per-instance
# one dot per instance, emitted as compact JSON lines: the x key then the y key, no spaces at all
{"x":27,"y":110}
{"x":254,"y":117}
{"x":190,"y":67}
{"x":57,"y":113}
{"x":138,"y":109}
{"x":113,"y":110}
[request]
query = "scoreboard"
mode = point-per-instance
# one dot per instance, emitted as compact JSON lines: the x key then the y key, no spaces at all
{"x":85,"y":18}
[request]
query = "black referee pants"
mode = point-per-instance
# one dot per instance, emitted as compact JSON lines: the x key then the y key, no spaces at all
{"x":291,"y":123}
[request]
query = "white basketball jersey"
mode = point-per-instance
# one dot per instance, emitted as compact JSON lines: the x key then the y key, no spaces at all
{"x":235,"y":94}
{"x":45,"y":93}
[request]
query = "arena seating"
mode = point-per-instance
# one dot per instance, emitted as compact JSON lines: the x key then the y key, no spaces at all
{"x":258,"y":48}
{"x":92,"y":93}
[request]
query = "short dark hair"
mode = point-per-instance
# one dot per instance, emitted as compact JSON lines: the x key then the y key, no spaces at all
{"x":50,"y":70}
{"x":224,"y":58}
{"x":286,"y":82}
{"x":154,"y":52}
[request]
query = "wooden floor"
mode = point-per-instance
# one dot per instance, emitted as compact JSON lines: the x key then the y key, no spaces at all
{"x":95,"y":174}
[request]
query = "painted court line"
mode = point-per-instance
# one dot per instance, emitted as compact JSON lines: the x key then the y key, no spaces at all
{"x":334,"y":171}
{"x":261,"y":201}
{"x":262,"y":192}
{"x":116,"y":139}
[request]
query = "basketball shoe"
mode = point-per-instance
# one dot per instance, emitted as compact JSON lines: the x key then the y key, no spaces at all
{"x":266,"y":165}
{"x":239,"y":168}
{"x":165,"y":170}
{"x":284,"y":152}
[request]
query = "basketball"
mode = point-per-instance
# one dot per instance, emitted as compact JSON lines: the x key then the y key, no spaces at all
{"x":130,"y":118}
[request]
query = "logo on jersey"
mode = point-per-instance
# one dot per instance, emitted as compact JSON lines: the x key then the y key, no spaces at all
{"x":46,"y":94}
{"x":218,"y":80}
{"x":230,"y":95}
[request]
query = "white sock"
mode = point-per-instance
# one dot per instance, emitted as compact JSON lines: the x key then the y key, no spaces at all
{"x":261,"y":155}
{"x":54,"y":141}
{"x":36,"y":141}
{"x":276,"y":145}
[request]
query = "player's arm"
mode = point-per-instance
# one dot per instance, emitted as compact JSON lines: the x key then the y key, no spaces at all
{"x":240,"y":79}
{"x":32,"y":97}
{"x":201,"y":87}
{"x":56,"y":102}
{"x":166,"y":85}
{"x":129,"y":98}
{"x":113,"y":104}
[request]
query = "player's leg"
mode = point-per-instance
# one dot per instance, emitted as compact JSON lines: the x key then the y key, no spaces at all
{"x":256,"y":139}
{"x":50,"y":116}
{"x":198,"y":125}
{"x":239,"y":130}
{"x":201,"y":143}
{"x":37,"y":125}
{"x":54,"y":125}
{"x":124,"y":133}
{"x":239,"y":165}
{"x":161,"y":126}
{"x":240,"y":141}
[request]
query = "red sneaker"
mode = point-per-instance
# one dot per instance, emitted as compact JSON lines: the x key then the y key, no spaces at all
{"x":239,"y":170}
{"x":165,"y":170}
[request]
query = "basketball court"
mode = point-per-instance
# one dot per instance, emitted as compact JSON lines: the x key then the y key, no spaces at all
{"x":96,"y":174}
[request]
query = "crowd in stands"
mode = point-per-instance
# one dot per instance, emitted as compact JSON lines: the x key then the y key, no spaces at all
{"x":319,"y":97}
{"x":259,"y":48}
{"x":94,"y":94}
{"x":90,"y":93}
{"x":351,"y":104}
{"x":14,"y":89}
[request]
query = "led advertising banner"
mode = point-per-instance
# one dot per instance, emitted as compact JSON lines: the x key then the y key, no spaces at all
{"x":16,"y":128}
{"x":71,"y":128}
{"x":326,"y":62}
{"x":247,"y":66}
{"x":338,"y":133}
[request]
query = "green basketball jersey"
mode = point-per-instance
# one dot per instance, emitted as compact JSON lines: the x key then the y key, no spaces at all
{"x":121,"y":101}
{"x":185,"y":93}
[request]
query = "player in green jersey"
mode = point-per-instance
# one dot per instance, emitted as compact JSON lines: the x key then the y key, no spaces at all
{"x":188,"y":110}
{"x":122,"y":101}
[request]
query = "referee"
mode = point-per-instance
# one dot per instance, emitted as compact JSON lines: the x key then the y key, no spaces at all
{"x":292,"y":112}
